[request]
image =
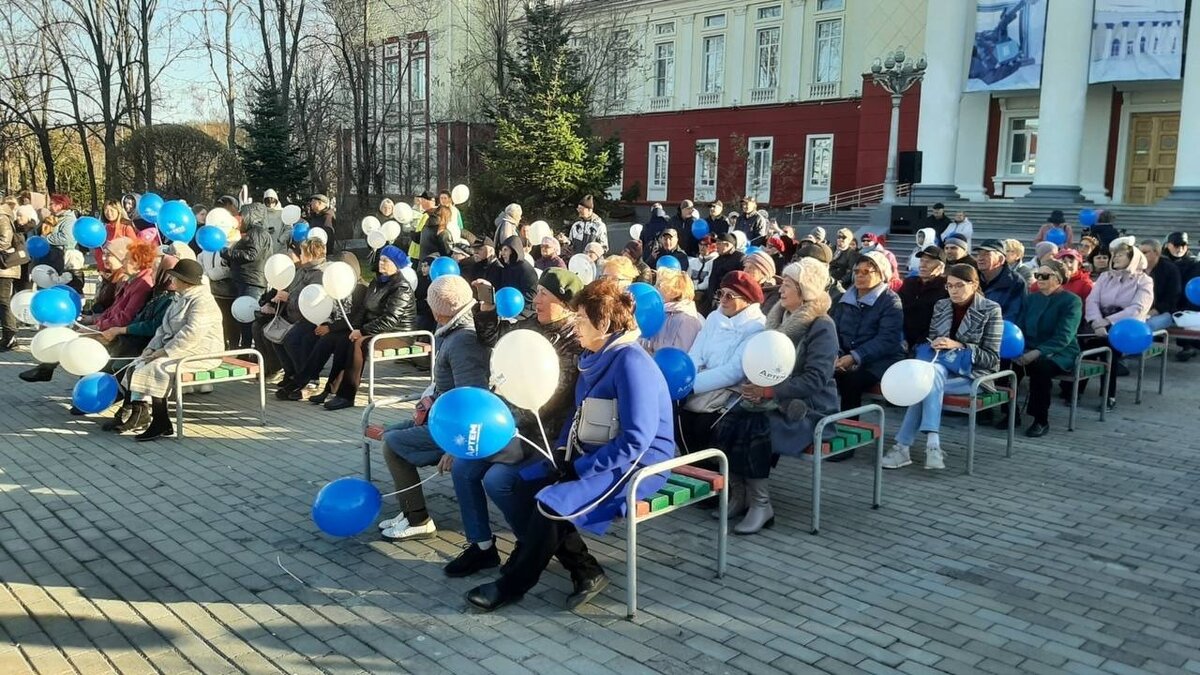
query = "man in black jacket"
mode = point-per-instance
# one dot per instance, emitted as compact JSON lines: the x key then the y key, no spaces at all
{"x":1176,"y":251}
{"x":669,"y":248}
{"x":729,"y":259}
{"x":718,"y":222}
{"x":1167,"y":285}
{"x":919,"y":294}
{"x":247,"y":258}
{"x":321,"y":216}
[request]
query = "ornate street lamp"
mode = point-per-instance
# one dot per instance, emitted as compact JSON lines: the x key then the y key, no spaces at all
{"x":896,"y":73}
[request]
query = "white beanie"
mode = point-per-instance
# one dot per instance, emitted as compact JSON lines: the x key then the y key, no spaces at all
{"x":881,"y":262}
{"x":810,"y":274}
{"x":448,"y":294}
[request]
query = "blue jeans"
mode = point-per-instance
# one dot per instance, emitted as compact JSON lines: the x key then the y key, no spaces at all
{"x":477,"y":479}
{"x":1160,"y":321}
{"x":927,"y":415}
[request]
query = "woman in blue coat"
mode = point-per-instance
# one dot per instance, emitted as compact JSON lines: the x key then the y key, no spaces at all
{"x":591,"y":479}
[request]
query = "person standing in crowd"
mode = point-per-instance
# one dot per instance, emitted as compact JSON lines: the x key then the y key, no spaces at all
{"x":683,"y":321}
{"x":116,"y":226}
{"x":1001,"y":285}
{"x":589,"y":491}
{"x":484,"y":263}
{"x":550,"y":255}
{"x":633,"y":251}
{"x":925,"y":238}
{"x":752,"y":223}
{"x":515,"y":271}
{"x":507,"y":222}
{"x":775,"y":248}
{"x":1176,"y":252}
{"x":1049,"y":320}
{"x":700,"y":267}
{"x":9,"y":276}
{"x":436,"y":238}
{"x":844,"y":254}
{"x":1168,"y":288}
{"x":920,"y":295}
{"x":718,"y":222}
{"x":717,"y":352}
{"x":960,"y":225}
{"x":870,"y":322}
{"x":957,"y":251}
{"x":321,"y":217}
{"x":589,"y":228}
{"x":63,"y":235}
{"x":728,"y":259}
{"x":669,"y":248}
{"x":937,"y":221}
{"x":273,"y":218}
{"x":782,"y":419}
{"x":1055,"y":221}
{"x":1014,"y":257}
{"x":652,"y":233}
{"x":1105,"y":229}
{"x":247,"y":260}
{"x":965,"y":333}
{"x":422,"y":212}
{"x":459,"y":361}
{"x":1124,"y":292}
{"x":682,"y":223}
{"x":455,"y":223}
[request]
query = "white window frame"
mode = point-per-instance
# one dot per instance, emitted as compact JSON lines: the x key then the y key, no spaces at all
{"x":417,"y":77}
{"x":664,"y":82}
{"x":392,"y":158}
{"x":715,"y":22}
{"x":764,"y":78}
{"x":758,"y":13}
{"x":657,"y":191}
{"x":755,"y":186}
{"x":817,"y":192}
{"x":664,"y":29}
{"x":614,"y":190}
{"x":820,"y":43}
{"x":710,"y":82}
{"x":841,"y":6}
{"x":618,"y":82}
{"x":708,"y":153}
{"x":1005,"y":159}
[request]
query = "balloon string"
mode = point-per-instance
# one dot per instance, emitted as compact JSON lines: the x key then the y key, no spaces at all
{"x":87,"y":329}
{"x":545,"y":452}
{"x":347,"y":319}
{"x":543,"y":430}
{"x":411,"y":487}
{"x":726,"y":411}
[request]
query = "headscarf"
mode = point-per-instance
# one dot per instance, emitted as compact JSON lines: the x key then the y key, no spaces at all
{"x":399,"y":259}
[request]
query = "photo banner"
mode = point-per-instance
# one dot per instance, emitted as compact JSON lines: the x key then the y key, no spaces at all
{"x":1137,"y":40}
{"x":1009,"y":36}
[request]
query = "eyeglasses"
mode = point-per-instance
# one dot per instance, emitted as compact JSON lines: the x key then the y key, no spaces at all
{"x":955,"y":287}
{"x":1043,"y":277}
{"x":723,"y":295}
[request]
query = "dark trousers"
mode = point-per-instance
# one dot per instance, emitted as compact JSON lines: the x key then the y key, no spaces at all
{"x":349,"y":359}
{"x":545,"y":539}
{"x":695,"y":430}
{"x":1041,"y":375}
{"x":1091,"y":343}
{"x":852,"y":384}
{"x":269,"y":350}
{"x":245,"y":332}
{"x":8,"y":321}
{"x":318,"y":354}
{"x":296,"y":346}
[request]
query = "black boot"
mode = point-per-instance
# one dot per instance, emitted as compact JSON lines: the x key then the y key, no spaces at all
{"x":120,"y":418}
{"x":137,"y":420}
{"x":586,"y":589}
{"x":42,"y":372}
{"x":489,"y":597}
{"x":472,"y":560}
{"x":160,"y":422}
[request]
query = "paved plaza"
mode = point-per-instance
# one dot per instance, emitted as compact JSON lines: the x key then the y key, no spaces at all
{"x":1079,"y":554}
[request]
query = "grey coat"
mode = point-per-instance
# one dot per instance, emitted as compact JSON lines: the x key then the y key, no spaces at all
{"x":810,"y":393}
{"x":191,"y":327}
{"x":7,"y":233}
{"x":461,"y":359}
{"x":981,"y":331}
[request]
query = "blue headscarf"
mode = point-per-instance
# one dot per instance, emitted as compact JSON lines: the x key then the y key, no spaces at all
{"x":399,"y":259}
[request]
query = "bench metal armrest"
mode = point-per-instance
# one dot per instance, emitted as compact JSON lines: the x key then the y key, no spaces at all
{"x":379,"y":403}
{"x":398,"y":334}
{"x":682,"y":460}
{"x":978,"y":383}
{"x":818,"y":431}
{"x":1094,"y":351}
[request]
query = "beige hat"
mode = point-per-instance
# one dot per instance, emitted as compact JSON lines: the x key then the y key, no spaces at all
{"x":449,"y":294}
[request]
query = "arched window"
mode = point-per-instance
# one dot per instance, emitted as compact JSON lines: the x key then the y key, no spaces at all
{"x":1116,"y":48}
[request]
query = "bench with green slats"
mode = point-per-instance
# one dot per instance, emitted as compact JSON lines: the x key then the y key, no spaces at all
{"x":984,"y":401}
{"x":1087,"y":370}
{"x":1155,"y":350}
{"x":687,"y":484}
{"x":848,"y":435}
{"x":229,"y":368}
{"x":393,"y":352}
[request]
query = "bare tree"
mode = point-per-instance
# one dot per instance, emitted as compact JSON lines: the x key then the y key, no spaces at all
{"x":27,"y":88}
{"x":280,"y":25}
{"x":226,"y":82}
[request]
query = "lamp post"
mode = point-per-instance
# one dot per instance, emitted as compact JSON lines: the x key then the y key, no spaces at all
{"x":896,"y":73}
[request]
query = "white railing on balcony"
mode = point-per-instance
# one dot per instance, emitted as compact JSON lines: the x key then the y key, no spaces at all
{"x":708,"y":99}
{"x":824,"y":89}
{"x":868,"y":194}
{"x":765,"y":95}
{"x":660,"y":103}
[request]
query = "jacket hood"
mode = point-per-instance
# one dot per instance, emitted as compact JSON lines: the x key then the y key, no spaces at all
{"x":514,"y":242}
{"x":1137,"y":264}
{"x":749,"y":315}
{"x":925,"y":237}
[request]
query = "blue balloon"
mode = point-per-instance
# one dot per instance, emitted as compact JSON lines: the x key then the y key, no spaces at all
{"x":700,"y":229}
{"x":53,"y":307}
{"x":1130,"y":336}
{"x":1193,"y":291}
{"x":1089,"y":217}
{"x":1057,"y":236}
{"x":1012,"y":343}
{"x":176,"y":221}
{"x":37,"y":247}
{"x":648,"y":308}
{"x":94,"y":393}
{"x":678,"y":369}
{"x":90,"y":232}
{"x":753,"y":249}
{"x":669,"y":262}
{"x":149,"y":206}
{"x":443,"y":266}
{"x":211,"y":238}
{"x":471,"y":423}
{"x":346,"y":507}
{"x":300,"y":231}
{"x":75,"y":297}
{"x":509,"y":302}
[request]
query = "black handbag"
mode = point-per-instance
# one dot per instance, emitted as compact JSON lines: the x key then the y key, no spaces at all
{"x":16,"y":255}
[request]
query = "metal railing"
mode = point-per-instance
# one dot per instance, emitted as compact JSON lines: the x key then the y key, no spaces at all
{"x":862,"y":196}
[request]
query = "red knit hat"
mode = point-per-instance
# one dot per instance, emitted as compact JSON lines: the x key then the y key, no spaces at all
{"x":744,"y":285}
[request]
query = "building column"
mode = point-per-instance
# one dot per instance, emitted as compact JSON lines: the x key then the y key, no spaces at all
{"x":1187,"y":161}
{"x":1063,"y":103}
{"x":947,"y":26}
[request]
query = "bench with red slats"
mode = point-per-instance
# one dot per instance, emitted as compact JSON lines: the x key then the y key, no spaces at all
{"x":415,"y":349}
{"x":374,"y":432}
{"x":685,"y":484}
{"x":229,"y":368}
{"x":962,"y":402}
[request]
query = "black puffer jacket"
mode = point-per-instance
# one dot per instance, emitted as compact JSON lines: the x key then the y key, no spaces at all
{"x":248,"y":256}
{"x":517,"y":273}
{"x":388,"y":307}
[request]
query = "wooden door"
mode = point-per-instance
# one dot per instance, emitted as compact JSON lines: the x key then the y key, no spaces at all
{"x":1153,"y":145}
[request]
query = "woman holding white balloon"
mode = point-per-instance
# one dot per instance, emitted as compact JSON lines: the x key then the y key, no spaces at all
{"x":791,"y":389}
{"x":328,"y":335}
{"x":247,"y":259}
{"x":284,"y":303}
{"x":964,"y":342}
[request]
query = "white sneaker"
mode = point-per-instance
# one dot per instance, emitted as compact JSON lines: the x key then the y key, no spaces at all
{"x":935,"y":458}
{"x":897,"y":457}
{"x":404,"y":531}
{"x":400,"y":520}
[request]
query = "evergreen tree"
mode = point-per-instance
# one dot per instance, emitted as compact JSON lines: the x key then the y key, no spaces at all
{"x":544,"y":155}
{"x":269,"y":158}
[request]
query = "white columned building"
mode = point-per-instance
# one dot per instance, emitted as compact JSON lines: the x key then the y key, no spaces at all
{"x":951,"y":21}
{"x":1187,"y":167}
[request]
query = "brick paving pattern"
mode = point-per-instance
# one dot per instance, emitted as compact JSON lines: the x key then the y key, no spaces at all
{"x":1077,"y":555}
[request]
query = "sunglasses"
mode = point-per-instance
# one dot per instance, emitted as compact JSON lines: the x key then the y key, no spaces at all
{"x":1043,"y":277}
{"x":723,"y":295}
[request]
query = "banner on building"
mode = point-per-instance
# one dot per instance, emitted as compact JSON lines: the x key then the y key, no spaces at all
{"x":1009,"y":36}
{"x":1137,"y":40}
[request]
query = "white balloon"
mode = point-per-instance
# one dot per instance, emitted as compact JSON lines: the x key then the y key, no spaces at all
{"x":319,"y":234}
{"x":391,"y":230}
{"x":290,"y":214}
{"x":376,"y":239}
{"x":220,"y":218}
{"x":20,"y":307}
{"x":43,"y":276}
{"x":48,"y":342}
{"x":403,"y":212}
{"x":525,"y":369}
{"x":244,"y":308}
{"x":769,"y":358}
{"x":338,"y":280}
{"x":583,"y":267}
{"x":907,"y":382}
{"x":370,"y":224}
{"x":280,"y":271}
{"x":539,"y":230}
{"x":83,"y":356}
{"x":635,"y":231}
{"x":315,"y":304}
{"x":460,"y":194}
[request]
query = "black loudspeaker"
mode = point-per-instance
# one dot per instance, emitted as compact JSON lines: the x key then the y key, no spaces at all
{"x":906,"y":218}
{"x":908,"y":167}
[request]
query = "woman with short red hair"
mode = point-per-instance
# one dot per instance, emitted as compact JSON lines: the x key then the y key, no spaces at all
{"x":133,"y":294}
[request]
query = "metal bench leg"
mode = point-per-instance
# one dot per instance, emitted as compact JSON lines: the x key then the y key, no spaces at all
{"x":262,"y":395}
{"x":816,"y":482}
{"x":1137,"y":399}
{"x":877,"y":497}
{"x":631,"y":557}
{"x":366,"y":460}
{"x":723,"y":520}
{"x":1075,"y":399}
{"x":971,"y":414}
{"x":1162,"y":368}
{"x":1108,"y":374}
{"x":1012,"y":418}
